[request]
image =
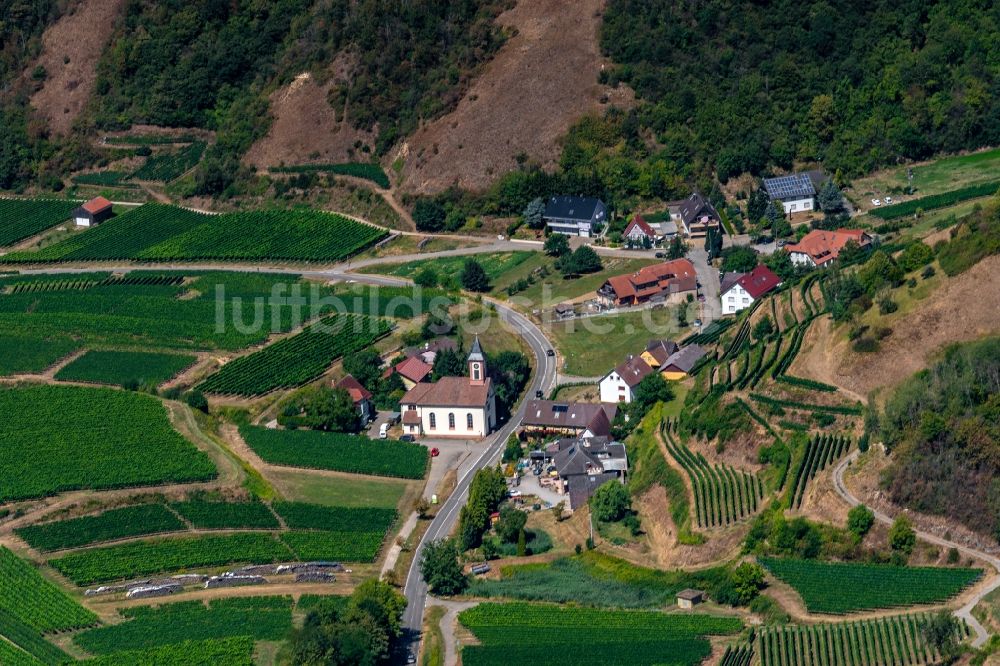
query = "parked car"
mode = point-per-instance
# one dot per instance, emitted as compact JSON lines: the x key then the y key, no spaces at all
{"x":515,"y":493}
{"x":435,"y":452}
{"x":383,"y":431}
{"x":876,"y":202}
{"x":782,"y":243}
{"x":407,"y":438}
{"x":888,"y":200}
{"x":660,"y":255}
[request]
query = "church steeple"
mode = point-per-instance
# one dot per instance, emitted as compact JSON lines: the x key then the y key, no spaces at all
{"x":477,"y":364}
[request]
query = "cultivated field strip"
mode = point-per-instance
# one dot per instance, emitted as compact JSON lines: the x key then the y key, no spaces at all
{"x":23,"y":218}
{"x":821,"y":451}
{"x":888,"y":641}
{"x":722,"y":495}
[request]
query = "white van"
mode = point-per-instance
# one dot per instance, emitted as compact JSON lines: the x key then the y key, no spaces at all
{"x":383,"y":431}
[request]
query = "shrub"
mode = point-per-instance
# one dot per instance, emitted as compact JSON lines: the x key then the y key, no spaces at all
{"x":866,"y":345}
{"x":887,"y":306}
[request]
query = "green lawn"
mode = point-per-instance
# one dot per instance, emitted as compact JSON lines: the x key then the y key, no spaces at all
{"x":592,"y":346}
{"x":943,"y":175}
{"x":495,"y":265}
{"x":306,"y":486}
{"x":554,"y":289}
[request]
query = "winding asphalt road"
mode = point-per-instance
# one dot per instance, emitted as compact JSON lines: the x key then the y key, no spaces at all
{"x":965,"y":612}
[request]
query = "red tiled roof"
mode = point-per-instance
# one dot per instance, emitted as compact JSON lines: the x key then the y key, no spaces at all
{"x":637,"y":221}
{"x":354,"y":387}
{"x":411,"y":417}
{"x":823,"y":246}
{"x":759,"y":281}
{"x":676,"y":275}
{"x":414,"y":369}
{"x":96,"y":205}
{"x":448,"y":392}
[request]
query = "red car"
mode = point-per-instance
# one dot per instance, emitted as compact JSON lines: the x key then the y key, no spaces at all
{"x":435,"y":452}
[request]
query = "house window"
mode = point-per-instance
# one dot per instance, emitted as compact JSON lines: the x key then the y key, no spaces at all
{"x":475,"y":371}
{"x":468,"y":420}
{"x":451,"y":421}
{"x":434,"y":424}
{"x":732,"y":299}
{"x":745,"y":300}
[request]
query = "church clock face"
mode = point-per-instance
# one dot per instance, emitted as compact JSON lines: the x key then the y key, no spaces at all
{"x":475,"y":371}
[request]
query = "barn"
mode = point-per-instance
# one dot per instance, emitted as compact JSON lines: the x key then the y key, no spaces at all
{"x":93,"y":212}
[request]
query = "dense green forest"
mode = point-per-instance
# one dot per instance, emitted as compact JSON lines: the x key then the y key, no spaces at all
{"x":943,"y":428}
{"x":857,"y":84}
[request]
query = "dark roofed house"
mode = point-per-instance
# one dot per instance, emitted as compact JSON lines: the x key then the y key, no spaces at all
{"x":580,"y":419}
{"x":697,"y":215}
{"x":689,"y":598}
{"x":658,"y":351}
{"x":429,"y":350}
{"x":583,"y":465}
{"x":93,"y":212}
{"x":574,"y":216}
{"x":619,"y":384}
{"x":796,"y":192}
{"x":679,"y":365}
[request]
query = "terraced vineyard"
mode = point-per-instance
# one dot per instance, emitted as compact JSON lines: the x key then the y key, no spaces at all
{"x":722,"y":495}
{"x":32,"y":355}
{"x":215,"y":652}
{"x":554,"y":635}
{"x":886,"y":641}
{"x":394,"y":302}
{"x":846,"y":587}
{"x":226,"y":515}
{"x":167,"y":166}
{"x":260,"y":618}
{"x":160,"y":232}
{"x":114,"y":439}
{"x":128,"y":521}
{"x":822,"y":450}
{"x":123,"y":368}
{"x":104,"y":179}
{"x":337,"y":451}
{"x":739,"y":655}
{"x":23,"y":218}
{"x":298,"y":359}
{"x":302,"y":516}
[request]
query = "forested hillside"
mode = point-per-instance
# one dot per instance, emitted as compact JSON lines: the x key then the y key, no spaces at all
{"x":855,"y":84}
{"x":943,"y":428}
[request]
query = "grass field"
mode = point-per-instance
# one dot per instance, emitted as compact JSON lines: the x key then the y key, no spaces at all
{"x":59,"y":438}
{"x":307,"y":486}
{"x":554,"y":289}
{"x":124,"y":368}
{"x":943,"y":175}
{"x":495,"y":265}
{"x":32,"y":355}
{"x":592,"y":346}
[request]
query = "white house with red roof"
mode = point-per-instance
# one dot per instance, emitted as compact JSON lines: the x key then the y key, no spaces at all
{"x":459,"y":407}
{"x":740,"y":290}
{"x":360,"y":396}
{"x":93,"y":212}
{"x":820,"y":247}
{"x":619,"y":384}
{"x":638,"y":230}
{"x":412,"y":371}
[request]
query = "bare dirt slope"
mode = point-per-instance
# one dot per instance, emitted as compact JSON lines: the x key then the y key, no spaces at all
{"x":305,"y":128}
{"x":70,"y":50}
{"x":960,"y":309}
{"x":542,"y":80}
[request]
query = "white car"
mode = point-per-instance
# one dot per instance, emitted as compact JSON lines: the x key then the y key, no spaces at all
{"x":876,"y":202}
{"x":515,"y":493}
{"x":888,"y":200}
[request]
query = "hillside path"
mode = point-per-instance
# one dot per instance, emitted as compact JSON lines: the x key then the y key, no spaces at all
{"x":965,"y":612}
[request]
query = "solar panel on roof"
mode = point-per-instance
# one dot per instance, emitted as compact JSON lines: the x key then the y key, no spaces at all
{"x":783,"y":187}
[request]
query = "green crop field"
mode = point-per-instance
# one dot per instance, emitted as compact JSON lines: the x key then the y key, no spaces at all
{"x":11,"y":655}
{"x":260,"y":618}
{"x":495,"y":265}
{"x":841,"y":587}
{"x":226,"y":515}
{"x":160,"y":232}
{"x":822,"y":450}
{"x":347,"y":546}
{"x":142,"y":558}
{"x":34,"y":601}
{"x":128,"y":521}
{"x":394,"y":302}
{"x":23,"y":218}
{"x":337,"y":451}
{"x":215,"y":652}
{"x":886,"y":641}
{"x":143,"y":309}
{"x":168,"y":165}
{"x":32,"y":355}
{"x":737,"y":655}
{"x":302,"y":516}
{"x":297,"y":359}
{"x":59,"y":438}
{"x":124,"y":368}
{"x":104,"y":179}
{"x":555,"y":635}
{"x":722,"y":495}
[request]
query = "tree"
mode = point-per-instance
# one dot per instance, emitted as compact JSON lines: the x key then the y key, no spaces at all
{"x":559,"y":513}
{"x":653,"y":388}
{"x":851,"y":253}
{"x":739,"y":259}
{"x":879,"y":271}
{"x":781,"y":263}
{"x":365,"y":366}
{"x":915,"y":255}
{"x":510,"y":524}
{"x":429,"y":215}
{"x":775,"y":211}
{"x":422,"y":507}
{"x":757,"y":205}
{"x":486,"y":491}
{"x":902,"y":538}
{"x":829,"y":197}
{"x":582,"y":260}
{"x":382,"y":602}
{"x":512,"y":451}
{"x":747,"y":580}
{"x":533,"y":213}
{"x":321,"y":408}
{"x":440,"y":568}
{"x":196,"y":400}
{"x":941,"y":632}
{"x":449,"y":363}
{"x":509,"y":371}
{"x":859,"y":520}
{"x":436,"y":325}
{"x":473,"y":277}
{"x":426,"y":277}
{"x":556,"y":245}
{"x":677,"y":248}
{"x":610,"y":502}
{"x":763,"y":328}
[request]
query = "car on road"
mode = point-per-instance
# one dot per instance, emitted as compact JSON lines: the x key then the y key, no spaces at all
{"x":539,"y":394}
{"x":500,"y":237}
{"x":411,"y":658}
{"x":435,"y":452}
{"x":876,"y":202}
{"x":407,"y":438}
{"x":549,"y":352}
